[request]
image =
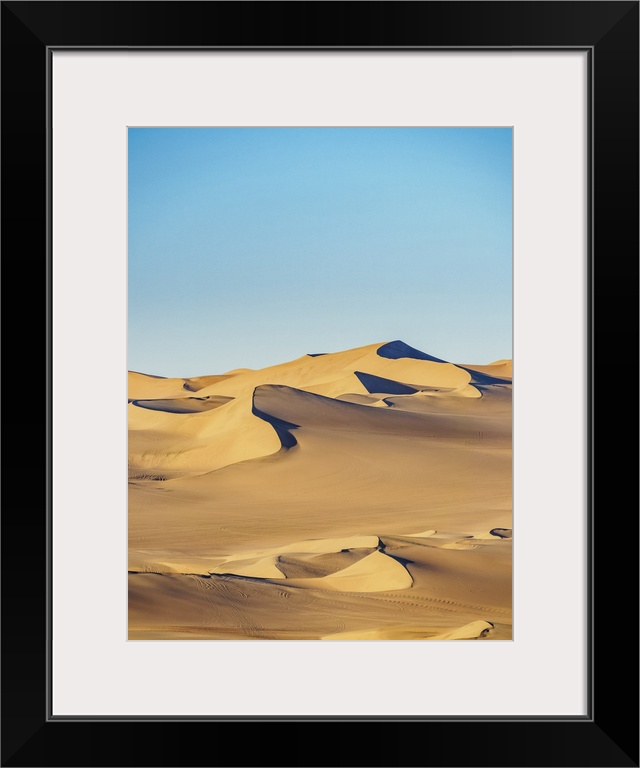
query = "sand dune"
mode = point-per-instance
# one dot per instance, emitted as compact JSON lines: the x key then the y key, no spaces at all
{"x":183,"y":404}
{"x":346,"y":570}
{"x":500,"y":369}
{"x":235,"y":564}
{"x":472,"y":631}
{"x":334,"y":374}
{"x":475,"y":630}
{"x":421,"y":534}
{"x":361,"y":494}
{"x":298,"y":408}
{"x":143,"y":386}
{"x":376,"y":572}
{"x":193,"y":441}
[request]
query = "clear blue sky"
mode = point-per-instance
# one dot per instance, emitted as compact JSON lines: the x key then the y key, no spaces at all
{"x":253,"y":246}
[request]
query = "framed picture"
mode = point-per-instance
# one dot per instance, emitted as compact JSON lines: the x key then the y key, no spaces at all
{"x":562,"y":79}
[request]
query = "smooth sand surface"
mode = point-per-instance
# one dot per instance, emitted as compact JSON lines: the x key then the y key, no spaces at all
{"x":363,"y":494}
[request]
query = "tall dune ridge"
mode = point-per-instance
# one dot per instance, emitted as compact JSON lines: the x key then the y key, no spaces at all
{"x":356,"y":495}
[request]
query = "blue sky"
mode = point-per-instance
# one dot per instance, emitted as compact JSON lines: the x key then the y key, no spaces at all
{"x":253,"y":246}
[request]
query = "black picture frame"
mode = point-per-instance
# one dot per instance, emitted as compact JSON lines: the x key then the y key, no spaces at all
{"x":608,"y":736}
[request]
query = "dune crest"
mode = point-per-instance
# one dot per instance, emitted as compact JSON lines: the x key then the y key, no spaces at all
{"x":372,"y":571}
{"x":377,"y":572}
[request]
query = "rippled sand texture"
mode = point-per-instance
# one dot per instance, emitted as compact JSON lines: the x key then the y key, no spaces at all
{"x":363,"y":494}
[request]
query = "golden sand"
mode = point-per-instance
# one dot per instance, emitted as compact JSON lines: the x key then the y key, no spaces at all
{"x":363,"y":494}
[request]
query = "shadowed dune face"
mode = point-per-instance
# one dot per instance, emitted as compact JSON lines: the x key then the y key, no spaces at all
{"x":169,"y":439}
{"x":294,"y":409}
{"x":396,"y":350}
{"x":275,"y":503}
{"x":501,"y":369}
{"x":377,"y":384}
{"x":281,"y":427}
{"x":480,"y":377}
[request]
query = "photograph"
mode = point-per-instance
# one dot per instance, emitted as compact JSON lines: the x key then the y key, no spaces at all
{"x":320,"y":383}
{"x":288,"y":257}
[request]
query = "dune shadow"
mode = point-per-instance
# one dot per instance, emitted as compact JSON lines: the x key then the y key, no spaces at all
{"x":483,"y":378}
{"x":379,"y":384}
{"x":282,"y":428}
{"x":404,"y":561}
{"x":493,"y":389}
{"x":395,"y":350}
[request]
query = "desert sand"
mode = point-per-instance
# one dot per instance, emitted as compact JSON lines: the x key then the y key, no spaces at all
{"x":354,"y":495}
